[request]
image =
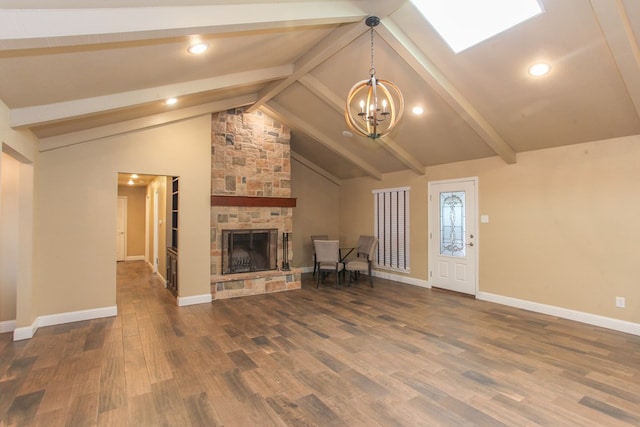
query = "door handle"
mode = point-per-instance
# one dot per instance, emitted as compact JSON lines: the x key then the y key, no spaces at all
{"x":470,"y":244}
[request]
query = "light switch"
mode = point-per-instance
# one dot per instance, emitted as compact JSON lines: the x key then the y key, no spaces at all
{"x":484,"y":219}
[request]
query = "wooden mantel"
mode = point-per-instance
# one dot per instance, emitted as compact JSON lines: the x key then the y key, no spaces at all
{"x":271,"y":202}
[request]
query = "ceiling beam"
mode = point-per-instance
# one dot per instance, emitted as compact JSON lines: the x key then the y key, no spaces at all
{"x":412,"y":55}
{"x":48,"y":113}
{"x":50,"y":27}
{"x":297,"y":124}
{"x":328,"y":47}
{"x":616,"y":27}
{"x":381,"y":8}
{"x":317,"y":169}
{"x":101,"y":132}
{"x":338,"y":104}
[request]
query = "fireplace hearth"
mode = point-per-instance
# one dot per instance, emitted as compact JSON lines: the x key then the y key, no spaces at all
{"x":246,"y":251}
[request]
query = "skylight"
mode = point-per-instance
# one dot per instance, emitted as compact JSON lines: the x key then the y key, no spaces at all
{"x":465,"y":23}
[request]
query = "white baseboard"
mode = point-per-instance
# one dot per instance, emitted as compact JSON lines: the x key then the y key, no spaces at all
{"x":135,"y":258}
{"x":77,"y":316}
{"x":7,"y":326}
{"x":564,"y":313}
{"x":27,"y":332}
{"x":402,"y":279}
{"x":195,"y":299}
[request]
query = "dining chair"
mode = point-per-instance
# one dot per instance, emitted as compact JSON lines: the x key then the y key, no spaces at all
{"x":328,"y":259}
{"x":363,"y":245}
{"x":313,"y":239}
{"x":363,"y":261}
{"x":361,"y":249}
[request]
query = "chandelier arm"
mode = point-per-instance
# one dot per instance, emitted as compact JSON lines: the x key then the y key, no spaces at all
{"x":374,"y":105}
{"x":352,"y":122}
{"x":370,"y":122}
{"x":396,"y":111}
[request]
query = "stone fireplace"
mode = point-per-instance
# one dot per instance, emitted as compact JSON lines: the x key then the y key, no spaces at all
{"x":250,"y":193}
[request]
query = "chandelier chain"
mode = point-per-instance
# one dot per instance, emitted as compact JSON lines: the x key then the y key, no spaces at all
{"x":372,"y":70}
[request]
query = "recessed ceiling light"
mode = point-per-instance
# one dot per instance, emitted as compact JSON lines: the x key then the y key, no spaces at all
{"x":130,"y":182}
{"x":171,"y":101}
{"x":417,"y":110}
{"x":347,"y":133}
{"x":198,"y":48}
{"x":134,"y":175}
{"x":539,"y":69}
{"x":465,"y":23}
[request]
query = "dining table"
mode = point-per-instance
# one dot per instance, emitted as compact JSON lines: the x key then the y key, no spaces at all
{"x":345,"y":251}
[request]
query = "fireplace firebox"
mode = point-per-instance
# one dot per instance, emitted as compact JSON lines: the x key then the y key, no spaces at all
{"x":246,"y":251}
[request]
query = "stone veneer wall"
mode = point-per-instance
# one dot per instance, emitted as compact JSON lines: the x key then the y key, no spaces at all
{"x":250,"y":156}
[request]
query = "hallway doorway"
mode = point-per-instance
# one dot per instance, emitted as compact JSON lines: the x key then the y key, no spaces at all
{"x":149,"y":220}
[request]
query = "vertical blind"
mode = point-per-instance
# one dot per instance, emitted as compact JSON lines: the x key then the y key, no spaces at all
{"x":391,"y":219}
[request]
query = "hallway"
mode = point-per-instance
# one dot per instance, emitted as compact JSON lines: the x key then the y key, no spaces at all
{"x":390,"y":355}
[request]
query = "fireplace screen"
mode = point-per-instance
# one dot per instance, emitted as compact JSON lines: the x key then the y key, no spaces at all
{"x":249,"y":250}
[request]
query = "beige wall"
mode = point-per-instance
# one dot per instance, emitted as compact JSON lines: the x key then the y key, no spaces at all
{"x":136,"y":205}
{"x":22,"y":146}
{"x":9,"y":239}
{"x":76,"y":212}
{"x":316,"y":211}
{"x":562,"y":224}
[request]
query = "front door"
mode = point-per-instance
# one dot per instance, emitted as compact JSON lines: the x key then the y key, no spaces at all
{"x":453,"y":248}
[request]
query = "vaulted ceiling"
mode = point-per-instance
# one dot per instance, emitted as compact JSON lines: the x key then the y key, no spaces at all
{"x":80,"y":70}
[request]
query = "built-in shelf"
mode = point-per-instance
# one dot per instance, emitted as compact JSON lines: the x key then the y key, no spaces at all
{"x":174,"y":212}
{"x":172,"y":249}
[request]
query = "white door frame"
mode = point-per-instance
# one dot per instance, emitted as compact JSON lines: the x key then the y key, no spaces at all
{"x":434,"y":246}
{"x":156,"y":232}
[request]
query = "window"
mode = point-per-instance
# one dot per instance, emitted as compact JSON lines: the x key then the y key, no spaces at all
{"x":452,"y":222}
{"x":465,"y":23}
{"x":391,"y":219}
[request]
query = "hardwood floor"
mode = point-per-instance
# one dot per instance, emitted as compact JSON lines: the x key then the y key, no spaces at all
{"x":392,"y":355}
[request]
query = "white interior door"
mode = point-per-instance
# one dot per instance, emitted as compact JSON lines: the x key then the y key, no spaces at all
{"x":453,"y":237}
{"x":121,"y":229}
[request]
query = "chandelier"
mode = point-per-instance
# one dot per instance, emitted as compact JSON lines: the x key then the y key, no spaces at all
{"x":374,"y":106}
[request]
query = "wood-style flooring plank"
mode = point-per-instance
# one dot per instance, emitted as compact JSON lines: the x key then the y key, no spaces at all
{"x":201,"y":412}
{"x":24,"y":408}
{"x":83,"y":410}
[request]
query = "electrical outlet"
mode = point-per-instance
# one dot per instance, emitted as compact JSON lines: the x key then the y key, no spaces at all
{"x":620,"y":302}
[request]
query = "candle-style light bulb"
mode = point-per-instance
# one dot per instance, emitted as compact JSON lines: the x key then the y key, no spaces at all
{"x":361,"y":106}
{"x":384,"y":105}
